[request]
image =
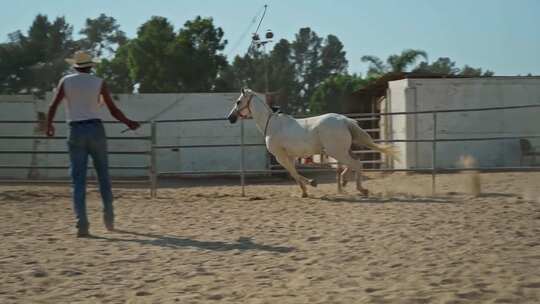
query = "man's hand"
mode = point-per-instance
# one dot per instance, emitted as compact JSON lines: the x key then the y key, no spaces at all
{"x":115,"y":112}
{"x":50,"y":130}
{"x":133,"y":125}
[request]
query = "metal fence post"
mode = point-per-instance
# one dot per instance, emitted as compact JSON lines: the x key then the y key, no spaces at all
{"x":434,"y":155}
{"x":242,"y":174}
{"x":153,"y":161}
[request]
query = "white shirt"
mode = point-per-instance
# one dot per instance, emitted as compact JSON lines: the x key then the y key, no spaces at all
{"x":81,"y":94}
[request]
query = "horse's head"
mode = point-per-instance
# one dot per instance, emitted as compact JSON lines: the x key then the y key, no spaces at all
{"x":242,"y":106}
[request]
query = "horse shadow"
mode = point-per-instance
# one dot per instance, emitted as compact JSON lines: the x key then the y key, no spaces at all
{"x":242,"y":244}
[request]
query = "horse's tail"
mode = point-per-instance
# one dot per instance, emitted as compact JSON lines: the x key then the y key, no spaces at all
{"x":361,"y":137}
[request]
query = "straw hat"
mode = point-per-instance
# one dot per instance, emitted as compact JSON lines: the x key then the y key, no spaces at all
{"x":81,"y":59}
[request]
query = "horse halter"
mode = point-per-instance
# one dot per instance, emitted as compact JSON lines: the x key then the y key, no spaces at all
{"x":267,"y":123}
{"x":247,"y":106}
{"x":267,"y":119}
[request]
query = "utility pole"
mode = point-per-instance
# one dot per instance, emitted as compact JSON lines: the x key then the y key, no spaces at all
{"x":257,"y":42}
{"x":265,"y":73}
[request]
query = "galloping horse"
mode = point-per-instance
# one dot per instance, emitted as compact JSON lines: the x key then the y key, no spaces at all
{"x":288,"y":138}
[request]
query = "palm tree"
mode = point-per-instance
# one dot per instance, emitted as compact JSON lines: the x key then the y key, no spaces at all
{"x":394,"y":63}
{"x":376,"y":67}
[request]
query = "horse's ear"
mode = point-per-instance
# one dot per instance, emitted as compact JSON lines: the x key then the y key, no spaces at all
{"x":243,"y":91}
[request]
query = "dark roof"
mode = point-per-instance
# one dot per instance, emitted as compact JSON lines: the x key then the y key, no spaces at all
{"x":361,"y":100}
{"x":377,"y":87}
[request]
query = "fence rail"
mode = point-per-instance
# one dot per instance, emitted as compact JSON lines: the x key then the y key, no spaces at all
{"x":359,"y":117}
{"x":138,"y":139}
{"x":354,"y":115}
{"x":90,"y":180}
{"x":67,"y":167}
{"x":316,"y":170}
{"x":154,"y":173}
{"x":189,"y":120}
{"x":206,"y":146}
{"x":64,"y":137}
{"x":66,"y":152}
{"x":456,"y":139}
{"x":58,"y":121}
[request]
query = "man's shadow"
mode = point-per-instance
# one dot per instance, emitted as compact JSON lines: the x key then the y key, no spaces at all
{"x":243,"y":243}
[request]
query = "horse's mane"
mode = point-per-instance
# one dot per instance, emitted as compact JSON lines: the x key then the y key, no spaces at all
{"x":256,"y":94}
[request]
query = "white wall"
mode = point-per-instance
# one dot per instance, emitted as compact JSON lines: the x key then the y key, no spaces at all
{"x":143,"y":107}
{"x":432,"y":94}
{"x":20,"y":107}
{"x":398,"y":124}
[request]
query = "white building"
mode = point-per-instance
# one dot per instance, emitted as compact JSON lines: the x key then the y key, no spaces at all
{"x":140,"y":107}
{"x":424,"y":94}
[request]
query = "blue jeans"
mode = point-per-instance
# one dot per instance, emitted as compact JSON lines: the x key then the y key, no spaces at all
{"x":88,"y":138}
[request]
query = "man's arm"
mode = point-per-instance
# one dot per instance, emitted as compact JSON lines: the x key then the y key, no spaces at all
{"x":53,"y":107}
{"x":115,"y":112}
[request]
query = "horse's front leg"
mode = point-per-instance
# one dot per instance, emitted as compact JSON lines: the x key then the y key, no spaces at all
{"x":288,"y":163}
{"x":304,"y":179}
{"x":303,"y":188}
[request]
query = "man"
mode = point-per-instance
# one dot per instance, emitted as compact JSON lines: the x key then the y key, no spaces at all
{"x":81,"y":92}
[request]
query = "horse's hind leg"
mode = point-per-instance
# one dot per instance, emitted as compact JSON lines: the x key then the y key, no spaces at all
{"x":346,"y":159}
{"x":358,"y":177}
{"x":344,"y":175}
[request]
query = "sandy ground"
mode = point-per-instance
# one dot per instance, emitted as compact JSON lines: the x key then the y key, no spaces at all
{"x":209,"y":245}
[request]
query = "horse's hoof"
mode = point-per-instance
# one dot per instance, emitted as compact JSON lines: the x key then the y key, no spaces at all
{"x":304,"y":195}
{"x":344,"y":183}
{"x":313,"y":182}
{"x":364,"y":192}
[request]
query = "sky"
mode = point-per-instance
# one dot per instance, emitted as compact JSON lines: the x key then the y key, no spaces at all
{"x":499,"y":35}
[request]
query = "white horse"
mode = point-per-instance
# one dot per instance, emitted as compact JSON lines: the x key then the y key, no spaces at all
{"x":288,"y":138}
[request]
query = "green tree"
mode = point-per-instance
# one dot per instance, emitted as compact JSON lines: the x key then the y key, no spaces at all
{"x":199,"y":46}
{"x":252,"y":69}
{"x":34,"y":63}
{"x":314,"y":60}
{"x":101,"y":35}
{"x":442,"y":65}
{"x":394,"y":63}
{"x":330,"y":96}
{"x":160,"y":60}
{"x":152,"y":61}
{"x":445,"y":66}
{"x":13,"y":65}
{"x":470,"y":71}
{"x":226,"y":80}
{"x":306,"y":56}
{"x":116,"y":71}
{"x":282,"y":76}
{"x":294,"y":69}
{"x":333,"y":59}
{"x":249,"y":70}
